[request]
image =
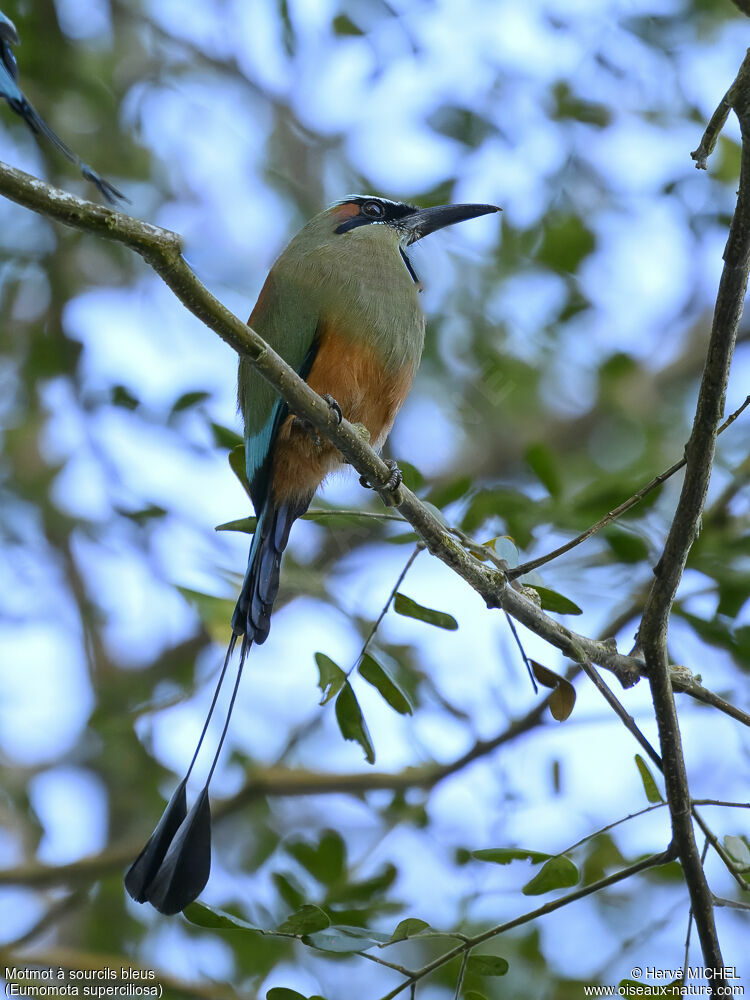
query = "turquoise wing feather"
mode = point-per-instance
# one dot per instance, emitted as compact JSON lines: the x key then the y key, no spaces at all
{"x":286,"y":316}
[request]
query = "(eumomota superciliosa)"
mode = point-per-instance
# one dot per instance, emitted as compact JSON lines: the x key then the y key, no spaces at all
{"x":19,"y":103}
{"x":340,"y":306}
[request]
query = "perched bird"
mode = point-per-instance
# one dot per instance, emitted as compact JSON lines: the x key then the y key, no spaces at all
{"x":12,"y":93}
{"x":340,"y":306}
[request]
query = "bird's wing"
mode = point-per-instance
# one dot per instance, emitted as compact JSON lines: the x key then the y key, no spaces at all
{"x":9,"y":89}
{"x":287,"y":318}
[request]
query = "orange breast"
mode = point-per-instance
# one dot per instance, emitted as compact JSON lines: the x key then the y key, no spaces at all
{"x":367,"y":394}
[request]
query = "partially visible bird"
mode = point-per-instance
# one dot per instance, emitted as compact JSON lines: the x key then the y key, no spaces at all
{"x":340,"y":306}
{"x":15,"y":97}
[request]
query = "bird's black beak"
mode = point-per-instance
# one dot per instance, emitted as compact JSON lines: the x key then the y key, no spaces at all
{"x":428,"y":220}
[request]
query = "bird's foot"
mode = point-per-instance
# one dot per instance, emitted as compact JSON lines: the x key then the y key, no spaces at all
{"x":335,"y":408}
{"x":393,"y":482}
{"x":300,"y":423}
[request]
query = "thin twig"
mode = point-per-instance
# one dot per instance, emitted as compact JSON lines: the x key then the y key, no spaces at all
{"x":689,"y":685}
{"x":461,"y":974}
{"x":619,"y":709}
{"x":729,"y":863}
{"x":384,"y":611}
{"x":704,"y":852}
{"x":611,"y":826}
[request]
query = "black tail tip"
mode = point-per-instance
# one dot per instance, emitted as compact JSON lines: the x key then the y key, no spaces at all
{"x":174,"y":866}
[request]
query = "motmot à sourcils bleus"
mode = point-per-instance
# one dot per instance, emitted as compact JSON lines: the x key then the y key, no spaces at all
{"x":340,"y":306}
{"x":19,"y":103}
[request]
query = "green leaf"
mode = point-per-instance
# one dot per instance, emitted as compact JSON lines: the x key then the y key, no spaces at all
{"x":331,"y":679}
{"x":649,"y":785}
{"x":382,"y":681}
{"x":188,"y":399}
{"x":570,"y":106}
{"x":246,"y":524}
{"x":626,"y":546}
{"x":566,"y":242}
{"x":283,"y":993}
{"x":289,"y":889}
{"x":343,"y":939}
{"x":543,"y":463}
{"x":462,"y":124}
{"x":409,"y":927}
{"x":734,"y":590}
{"x":307,"y":920}
{"x":404,"y":605}
{"x":351,"y":721}
{"x":557,"y":873}
{"x":552,"y":601}
{"x":447,"y":493}
{"x":366,"y":889}
{"x":474,"y":995}
{"x":144,"y":514}
{"x":504,"y":855}
{"x":738,"y":849}
{"x":237,"y":465}
{"x":124,"y":398}
{"x":325,"y":861}
{"x":487,"y":965}
{"x":207,"y":916}
{"x":512,"y":506}
{"x":413,"y":478}
{"x":215,"y":612}
{"x":225,"y":437}
{"x":504,"y":548}
{"x":343,"y":25}
{"x":406,"y":537}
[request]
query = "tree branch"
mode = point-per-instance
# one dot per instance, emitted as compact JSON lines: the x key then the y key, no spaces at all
{"x":162,"y":250}
{"x":699,"y":454}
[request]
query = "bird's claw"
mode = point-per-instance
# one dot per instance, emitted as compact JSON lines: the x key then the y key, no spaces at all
{"x":392,"y":483}
{"x":301,"y":423}
{"x":335,"y":408}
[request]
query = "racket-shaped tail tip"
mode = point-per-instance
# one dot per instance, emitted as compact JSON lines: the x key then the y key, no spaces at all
{"x":141,"y":873}
{"x":185,"y":869}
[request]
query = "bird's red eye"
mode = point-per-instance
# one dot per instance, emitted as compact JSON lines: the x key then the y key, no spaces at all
{"x":373,"y":209}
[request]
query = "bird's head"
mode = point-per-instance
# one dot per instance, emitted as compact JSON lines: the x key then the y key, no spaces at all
{"x":370,"y":224}
{"x":407,"y":222}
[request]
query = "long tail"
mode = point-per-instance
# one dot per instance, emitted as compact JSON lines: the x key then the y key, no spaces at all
{"x":173,"y":867}
{"x":252,"y":615}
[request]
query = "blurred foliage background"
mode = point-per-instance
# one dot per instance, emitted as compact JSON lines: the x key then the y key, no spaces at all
{"x":563,"y":352}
